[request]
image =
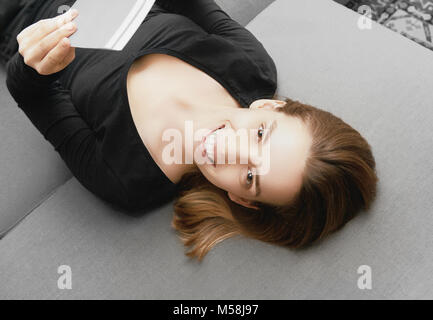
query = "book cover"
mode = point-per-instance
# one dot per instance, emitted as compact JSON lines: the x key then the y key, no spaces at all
{"x":108,"y":24}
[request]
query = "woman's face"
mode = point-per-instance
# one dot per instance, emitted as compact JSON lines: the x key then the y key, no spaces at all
{"x":257,"y":156}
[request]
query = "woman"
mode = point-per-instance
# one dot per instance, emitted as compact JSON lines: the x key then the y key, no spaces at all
{"x":189,"y":68}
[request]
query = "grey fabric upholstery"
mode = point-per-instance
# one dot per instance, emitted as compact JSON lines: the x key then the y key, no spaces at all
{"x":376,"y":80}
{"x":30,"y":168}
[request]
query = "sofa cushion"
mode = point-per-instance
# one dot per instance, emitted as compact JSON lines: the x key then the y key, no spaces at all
{"x":30,"y":168}
{"x":376,"y":80}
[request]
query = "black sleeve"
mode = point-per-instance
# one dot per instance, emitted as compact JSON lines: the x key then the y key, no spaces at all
{"x":49,"y":107}
{"x":211,"y":18}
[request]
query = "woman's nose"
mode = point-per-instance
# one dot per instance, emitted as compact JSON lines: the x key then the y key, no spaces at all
{"x":234,"y":147}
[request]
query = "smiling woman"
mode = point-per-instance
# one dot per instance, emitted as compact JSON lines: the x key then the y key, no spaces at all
{"x":105,"y":113}
{"x":322,"y":173}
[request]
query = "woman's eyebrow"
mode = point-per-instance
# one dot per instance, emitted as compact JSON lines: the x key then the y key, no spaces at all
{"x":271,"y":128}
{"x":258,"y":190}
{"x":273,"y":125}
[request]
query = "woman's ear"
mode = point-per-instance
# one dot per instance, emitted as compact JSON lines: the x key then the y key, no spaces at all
{"x":242,"y":201}
{"x":267,"y":104}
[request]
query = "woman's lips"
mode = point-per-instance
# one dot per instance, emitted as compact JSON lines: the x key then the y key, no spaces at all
{"x":205,"y":137}
{"x":204,"y":153}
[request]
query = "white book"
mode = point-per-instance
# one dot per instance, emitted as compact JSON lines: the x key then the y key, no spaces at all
{"x":108,"y":24}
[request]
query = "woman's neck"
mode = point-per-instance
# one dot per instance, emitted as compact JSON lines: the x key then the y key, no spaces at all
{"x":165,"y":94}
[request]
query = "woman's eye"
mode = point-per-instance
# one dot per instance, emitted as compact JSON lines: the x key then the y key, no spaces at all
{"x":260,"y":132}
{"x":250,"y":177}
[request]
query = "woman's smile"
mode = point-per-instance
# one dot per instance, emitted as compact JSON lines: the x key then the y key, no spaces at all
{"x":209,"y":145}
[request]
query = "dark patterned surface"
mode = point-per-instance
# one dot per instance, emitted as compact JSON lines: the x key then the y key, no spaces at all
{"x":411,"y":18}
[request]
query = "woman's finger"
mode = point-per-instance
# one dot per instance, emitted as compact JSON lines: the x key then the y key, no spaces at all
{"x":68,"y":59}
{"x":42,"y":28}
{"x":56,"y":59}
{"x":44,"y":46}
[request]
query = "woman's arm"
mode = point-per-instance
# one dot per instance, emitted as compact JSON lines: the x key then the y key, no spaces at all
{"x":205,"y":13}
{"x":209,"y":15}
{"x":49,"y":107}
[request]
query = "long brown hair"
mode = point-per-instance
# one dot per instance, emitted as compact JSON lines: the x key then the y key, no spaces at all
{"x":339,"y":180}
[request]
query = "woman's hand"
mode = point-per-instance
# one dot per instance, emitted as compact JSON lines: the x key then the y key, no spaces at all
{"x":45,"y":45}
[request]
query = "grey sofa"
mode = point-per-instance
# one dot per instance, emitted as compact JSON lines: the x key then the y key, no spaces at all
{"x":376,"y":80}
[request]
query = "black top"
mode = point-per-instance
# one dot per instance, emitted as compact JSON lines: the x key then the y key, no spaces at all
{"x":83,"y":111}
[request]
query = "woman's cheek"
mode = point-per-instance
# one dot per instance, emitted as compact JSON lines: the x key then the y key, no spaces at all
{"x":227,"y":177}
